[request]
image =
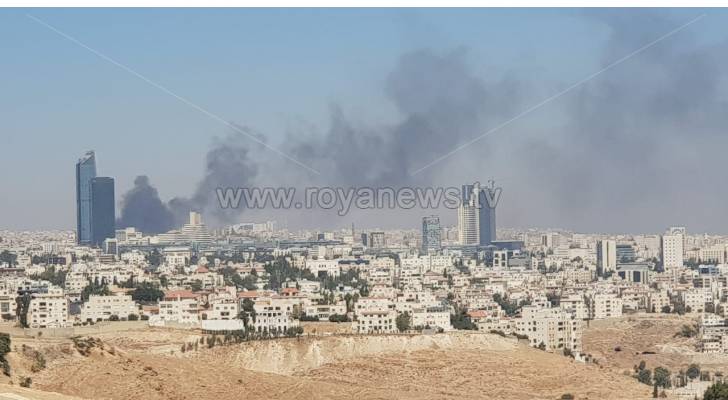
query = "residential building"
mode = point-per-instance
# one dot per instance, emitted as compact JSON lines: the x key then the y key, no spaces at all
{"x":103,"y":307}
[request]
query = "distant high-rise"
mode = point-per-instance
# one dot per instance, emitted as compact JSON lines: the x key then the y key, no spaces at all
{"x":673,"y":248}
{"x":476,"y":214}
{"x":195,"y":231}
{"x":606,"y":256}
{"x":376,"y":240}
{"x":431,"y":234}
{"x":103,"y":210}
{"x":85,"y":172}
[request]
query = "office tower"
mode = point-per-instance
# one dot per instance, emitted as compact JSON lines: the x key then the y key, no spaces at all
{"x":626,"y":253}
{"x":673,"y":246}
{"x":85,"y":172}
{"x":606,"y":256}
{"x":195,"y":231}
{"x":376,"y":240}
{"x":111,"y":246}
{"x":551,"y":240}
{"x":468,"y":228}
{"x":103,"y":210}
{"x":431,"y":233}
{"x":476,"y":214}
{"x":195,"y":218}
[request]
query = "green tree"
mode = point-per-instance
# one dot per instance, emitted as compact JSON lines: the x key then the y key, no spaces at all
{"x":50,"y":274}
{"x":147,"y":292}
{"x":196,"y":285}
{"x":644,"y":376}
{"x":403,"y":322}
{"x":693,"y":371}
{"x":154,"y":258}
{"x":248,"y":312}
{"x":21,"y":311}
{"x":4,"y":350}
{"x":717,"y":391}
{"x":94,"y":288}
{"x":662,"y":377}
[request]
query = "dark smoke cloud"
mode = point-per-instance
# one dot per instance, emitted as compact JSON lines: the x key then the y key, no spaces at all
{"x":638,"y":148}
{"x":227,"y":165}
{"x":142,"y":209}
{"x":441,"y":103}
{"x":642,"y":142}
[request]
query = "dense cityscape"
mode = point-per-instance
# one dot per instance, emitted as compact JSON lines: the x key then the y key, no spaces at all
{"x":362,"y":200}
{"x":254,"y":281}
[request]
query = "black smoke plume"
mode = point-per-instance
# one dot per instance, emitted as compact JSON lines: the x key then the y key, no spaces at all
{"x":142,"y":209}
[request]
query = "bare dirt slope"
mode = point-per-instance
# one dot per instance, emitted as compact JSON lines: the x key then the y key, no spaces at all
{"x":649,"y":337}
{"x":384,"y":367}
{"x":11,"y":392}
{"x":520,"y":373}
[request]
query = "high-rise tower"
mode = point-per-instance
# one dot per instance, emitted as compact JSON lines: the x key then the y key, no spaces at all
{"x":431,"y":234}
{"x":103,"y":210}
{"x":476,"y":214}
{"x":85,"y":172}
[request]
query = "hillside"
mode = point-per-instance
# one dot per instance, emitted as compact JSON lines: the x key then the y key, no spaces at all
{"x":451,"y":366}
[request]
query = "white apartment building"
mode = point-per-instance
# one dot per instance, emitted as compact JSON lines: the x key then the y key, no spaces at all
{"x":179,"y":310}
{"x":103,"y":307}
{"x":274,"y":314}
{"x":713,"y":254}
{"x":324,"y":311}
{"x":48,"y":310}
{"x":713,"y":334}
{"x":330,"y":267}
{"x":373,"y":304}
{"x":574,"y":305}
{"x":307,"y":287}
{"x":673,"y":244}
{"x":555,"y":328}
{"x":376,"y":321}
{"x":656,"y":301}
{"x":177,"y":256}
{"x":606,"y":305}
{"x":224,"y":310}
{"x":375,"y":315}
{"x":7,"y":304}
{"x":696,"y":298}
{"x":433,"y":317}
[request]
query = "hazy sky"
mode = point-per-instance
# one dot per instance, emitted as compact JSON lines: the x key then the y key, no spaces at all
{"x":586,"y":162}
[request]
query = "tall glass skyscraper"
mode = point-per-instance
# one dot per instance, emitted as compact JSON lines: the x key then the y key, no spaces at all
{"x":85,"y":172}
{"x":476,"y":215}
{"x":431,"y":233}
{"x":103,"y":210}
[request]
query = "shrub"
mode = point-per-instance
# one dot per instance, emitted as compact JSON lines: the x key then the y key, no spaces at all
{"x":339,"y":318}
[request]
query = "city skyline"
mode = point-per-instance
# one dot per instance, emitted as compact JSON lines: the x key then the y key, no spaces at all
{"x":363,"y":203}
{"x":584,"y":161}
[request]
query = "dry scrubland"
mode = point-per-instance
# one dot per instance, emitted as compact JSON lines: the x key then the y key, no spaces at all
{"x":646,"y":337}
{"x":149,"y":364}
